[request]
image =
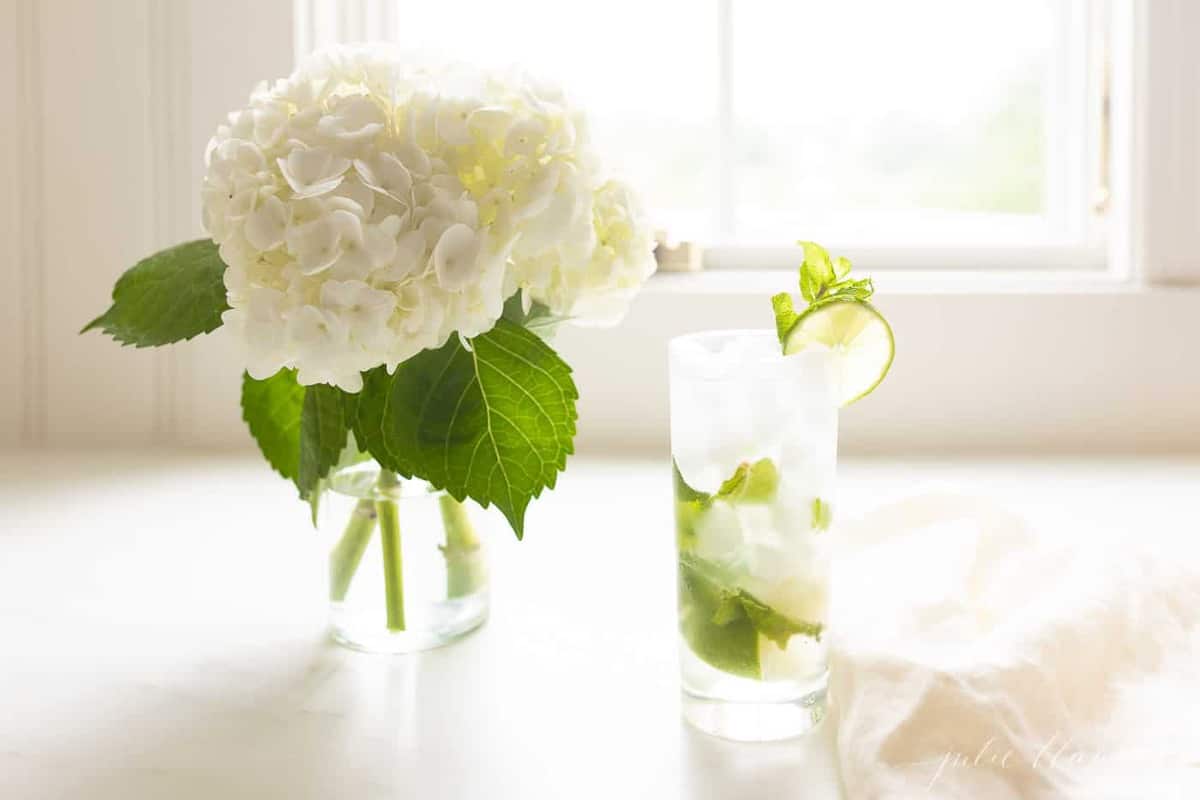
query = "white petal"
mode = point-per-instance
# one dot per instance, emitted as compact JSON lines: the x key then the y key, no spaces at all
{"x":386,"y":174}
{"x":359,"y":193}
{"x":266,"y":226}
{"x":456,"y":257}
{"x":351,"y":382}
{"x":452,"y":123}
{"x":409,"y":258}
{"x":415,"y":160}
{"x":315,"y":245}
{"x":379,"y":245}
{"x":535,"y":195}
{"x":432,"y":229}
{"x":312,"y":171}
{"x":242,"y":203}
{"x":491,"y":121}
{"x":318,"y":189}
{"x":354,"y":264}
{"x":524,"y":138}
{"x":348,"y":225}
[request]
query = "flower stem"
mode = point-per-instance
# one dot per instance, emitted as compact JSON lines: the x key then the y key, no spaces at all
{"x":348,"y":552}
{"x":465,"y":572}
{"x":393,"y":562}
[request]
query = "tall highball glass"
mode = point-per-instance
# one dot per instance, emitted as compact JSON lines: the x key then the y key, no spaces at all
{"x":754,"y":446}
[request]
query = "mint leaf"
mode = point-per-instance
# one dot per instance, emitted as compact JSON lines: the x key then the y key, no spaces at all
{"x":173,"y":295}
{"x":751,"y":483}
{"x":494,"y":423}
{"x":817,"y":265}
{"x":822,"y":514}
{"x":322,"y":435}
{"x":687,"y":516}
{"x":722,"y":623}
{"x":689,"y":506}
{"x":785,"y":315}
{"x":773,"y":625}
{"x":682,"y":490}
{"x":858,"y":291}
{"x":841,"y":268}
{"x":713,"y":623}
{"x":822,"y":282}
{"x":272,"y":410}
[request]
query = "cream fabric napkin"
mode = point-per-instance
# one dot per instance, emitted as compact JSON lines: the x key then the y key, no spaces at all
{"x":974,"y":658}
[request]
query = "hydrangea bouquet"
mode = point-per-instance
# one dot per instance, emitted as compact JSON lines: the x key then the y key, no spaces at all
{"x":387,"y":243}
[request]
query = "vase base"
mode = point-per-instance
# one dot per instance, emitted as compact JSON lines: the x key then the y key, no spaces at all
{"x":454,"y":620}
{"x":755,"y":722}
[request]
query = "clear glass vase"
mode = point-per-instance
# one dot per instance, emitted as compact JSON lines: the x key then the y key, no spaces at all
{"x":754,"y":443}
{"x":407,"y":570}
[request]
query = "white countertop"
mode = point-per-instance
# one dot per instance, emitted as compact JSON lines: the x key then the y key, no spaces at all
{"x":162,"y":626}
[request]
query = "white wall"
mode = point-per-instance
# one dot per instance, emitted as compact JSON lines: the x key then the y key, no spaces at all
{"x":110,"y":105}
{"x":13,"y":347}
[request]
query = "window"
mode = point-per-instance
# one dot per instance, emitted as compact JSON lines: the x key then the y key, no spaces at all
{"x":933,"y":127}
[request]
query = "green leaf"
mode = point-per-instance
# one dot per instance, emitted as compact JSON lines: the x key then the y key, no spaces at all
{"x":687,"y":515}
{"x":713,"y":623}
{"x":722,"y":623}
{"x":817,"y":265}
{"x":822,"y":514}
{"x":349,"y":410}
{"x":690,"y":506}
{"x":272,"y":409}
{"x":785,"y":315}
{"x":841,"y":268}
{"x":301,"y":431}
{"x":322,"y":436}
{"x":173,"y":295}
{"x":494,"y":422}
{"x":822,"y":282}
{"x":538,"y":313}
{"x":807,"y":290}
{"x":682,"y":490}
{"x":751,"y":483}
{"x":773,"y":625}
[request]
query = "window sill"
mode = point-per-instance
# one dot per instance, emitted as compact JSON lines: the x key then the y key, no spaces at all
{"x":765,"y":282}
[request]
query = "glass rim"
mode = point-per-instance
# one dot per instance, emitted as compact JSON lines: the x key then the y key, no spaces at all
{"x":357,"y":481}
{"x":734,"y":334}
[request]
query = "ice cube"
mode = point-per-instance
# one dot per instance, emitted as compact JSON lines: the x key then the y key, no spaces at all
{"x":736,"y":398}
{"x":803,"y":657}
{"x":719,"y":534}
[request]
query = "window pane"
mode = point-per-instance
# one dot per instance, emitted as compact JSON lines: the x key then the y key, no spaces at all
{"x":646,"y":73}
{"x":866,"y":123}
{"x":892,"y":122}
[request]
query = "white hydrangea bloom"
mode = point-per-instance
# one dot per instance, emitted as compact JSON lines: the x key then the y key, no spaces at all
{"x":368,"y":209}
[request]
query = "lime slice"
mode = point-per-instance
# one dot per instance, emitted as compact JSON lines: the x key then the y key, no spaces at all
{"x":860,"y":339}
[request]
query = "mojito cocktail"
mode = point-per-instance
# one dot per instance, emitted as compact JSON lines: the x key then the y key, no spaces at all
{"x":754,"y":446}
